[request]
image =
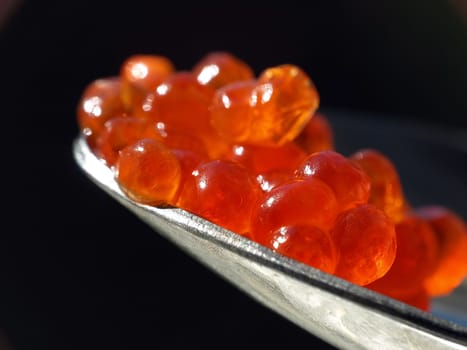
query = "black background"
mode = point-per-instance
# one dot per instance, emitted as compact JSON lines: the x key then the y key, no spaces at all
{"x":77,"y":270}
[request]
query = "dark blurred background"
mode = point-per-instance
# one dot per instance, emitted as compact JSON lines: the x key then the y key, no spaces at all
{"x":79,"y":272}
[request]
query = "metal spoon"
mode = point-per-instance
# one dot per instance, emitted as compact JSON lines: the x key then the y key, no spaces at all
{"x":343,"y":314}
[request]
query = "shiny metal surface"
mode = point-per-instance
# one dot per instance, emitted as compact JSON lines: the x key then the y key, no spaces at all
{"x":343,"y":314}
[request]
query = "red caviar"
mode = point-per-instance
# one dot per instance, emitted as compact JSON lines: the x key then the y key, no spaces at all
{"x":217,"y":69}
{"x":297,"y":202}
{"x":262,"y":159}
{"x":269,"y":111}
{"x":386,"y":188}
{"x":307,"y":244}
{"x":417,"y":251}
{"x":223,"y":192}
{"x":366,"y":240}
{"x":253,"y":155}
{"x":100,"y":101}
{"x":180,"y":103}
{"x":317,"y":135}
{"x":120,"y":132}
{"x":451,"y":237}
{"x":148,"y":172}
{"x":349,"y":182}
{"x":140,"y":75}
{"x":419,"y":299}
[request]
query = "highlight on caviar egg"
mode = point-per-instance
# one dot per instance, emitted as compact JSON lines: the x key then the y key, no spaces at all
{"x":255,"y":155}
{"x":268,"y":111}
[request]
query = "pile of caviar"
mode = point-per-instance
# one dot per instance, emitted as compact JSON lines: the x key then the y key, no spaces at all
{"x":253,"y":154}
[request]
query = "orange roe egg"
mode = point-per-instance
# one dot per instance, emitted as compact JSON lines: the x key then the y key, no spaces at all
{"x":417,"y":251}
{"x":189,"y":161}
{"x":253,"y":155}
{"x":175,"y":139}
{"x":261,"y":159}
{"x":181,"y":105}
{"x":100,"y":101}
{"x":179,"y":102}
{"x":317,"y":135}
{"x":148,"y":172}
{"x":419,"y":299}
{"x":270,"y":165}
{"x":233,"y":110}
{"x":308,"y":202}
{"x":141,"y":74}
{"x":306,"y":244}
{"x":221,"y":68}
{"x":269,"y":180}
{"x":386,"y":189}
{"x":366,"y":241}
{"x":120,"y":132}
{"x":223,"y":192}
{"x":350,"y":183}
{"x":278,"y":107}
{"x":451,"y":236}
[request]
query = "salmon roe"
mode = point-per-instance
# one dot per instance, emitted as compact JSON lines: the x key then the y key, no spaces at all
{"x":386,"y":188}
{"x":261,"y":159}
{"x":180,"y":103}
{"x":140,"y":75}
{"x":220,"y":68}
{"x":451,"y":261}
{"x":120,"y":132}
{"x":223,"y":192}
{"x":254,"y":155}
{"x":361,"y":262}
{"x":317,"y":135}
{"x":297,"y":202}
{"x":101,"y":100}
{"x":278,"y":105}
{"x":349,"y":182}
{"x":307,"y":244}
{"x":417,"y":251}
{"x":148,"y":172}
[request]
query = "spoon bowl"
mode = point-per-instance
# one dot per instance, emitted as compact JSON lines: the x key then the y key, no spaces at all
{"x":341,"y":313}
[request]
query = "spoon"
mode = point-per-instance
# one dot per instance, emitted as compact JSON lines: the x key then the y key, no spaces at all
{"x":341,"y":313}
